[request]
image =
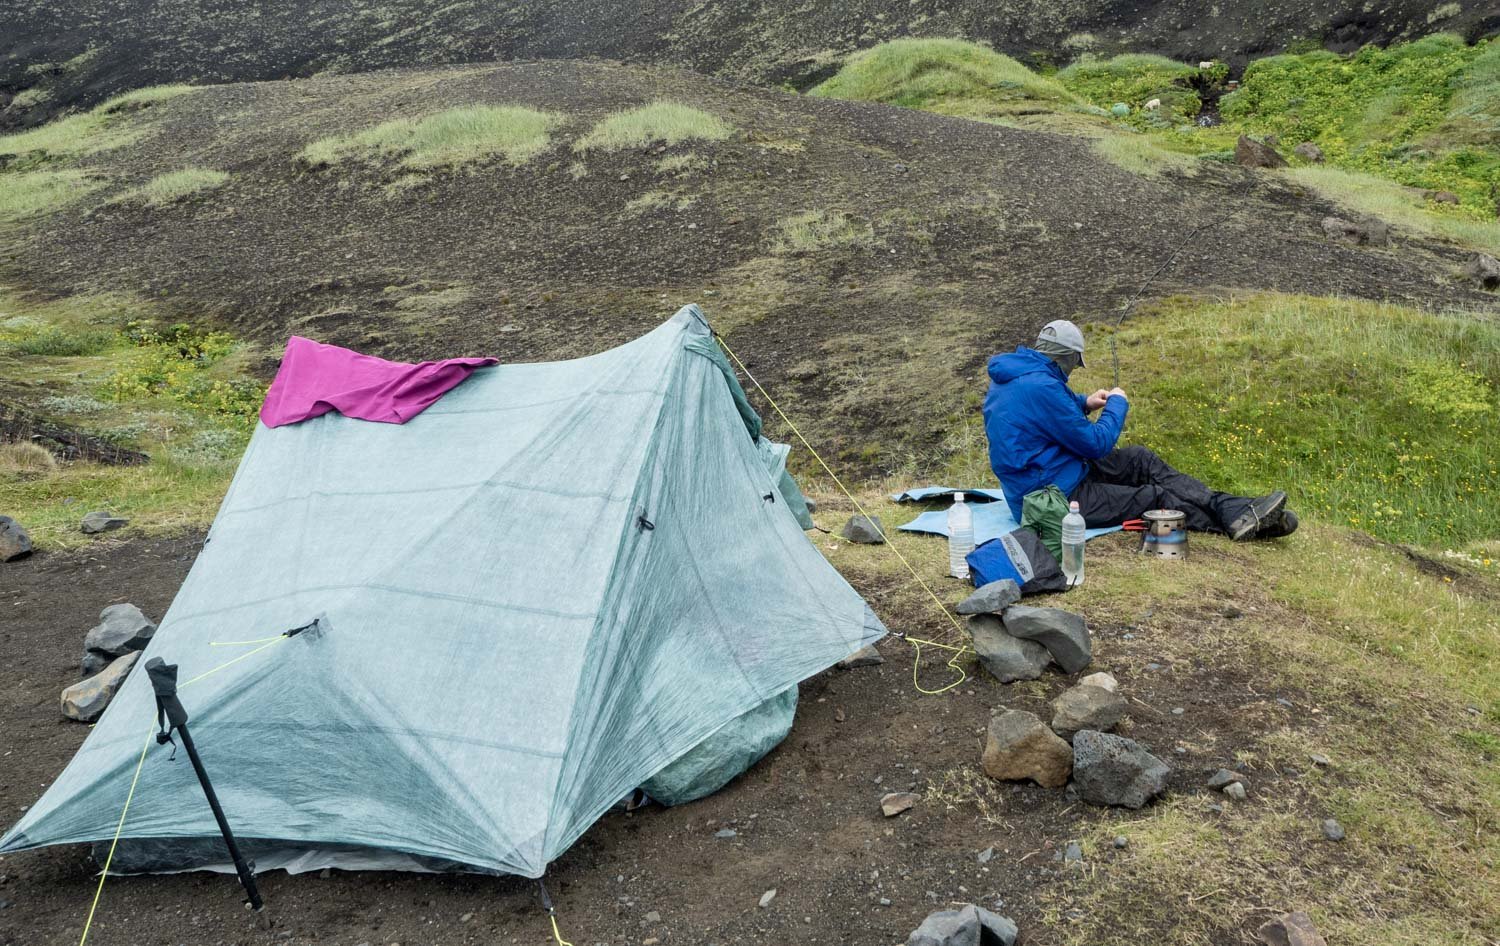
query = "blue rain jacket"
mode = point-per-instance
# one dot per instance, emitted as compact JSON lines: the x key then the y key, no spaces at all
{"x":1038,"y":428}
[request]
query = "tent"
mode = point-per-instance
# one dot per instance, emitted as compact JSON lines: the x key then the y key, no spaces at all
{"x":532,"y":598}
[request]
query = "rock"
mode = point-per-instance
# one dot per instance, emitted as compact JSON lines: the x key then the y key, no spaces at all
{"x":767,"y":897}
{"x":896,"y":802}
{"x":986,"y":855}
{"x":86,"y":699}
{"x":1065,"y":635}
{"x":14,"y":541}
{"x":967,"y":926}
{"x":122,"y":628}
{"x":1007,"y":658}
{"x":1121,"y":842}
{"x":1320,"y":759}
{"x":866,"y":656}
{"x":92,"y":663}
{"x":1332,"y":830}
{"x":96,"y":522}
{"x":1235,"y":790}
{"x":1484,"y":271}
{"x":865,"y":530}
{"x":1222,"y":778}
{"x":1073,"y":854}
{"x":1112,"y":770}
{"x":1086,"y":707}
{"x":992,"y":598}
{"x":812,"y":504}
{"x":1256,"y":154}
{"x":1443,"y":197}
{"x":726,"y":833}
{"x":1367,"y":233}
{"x":1019,"y":746}
{"x":654,"y":917}
{"x":1308,"y":151}
{"x":1294,"y":929}
{"x":1103,"y":680}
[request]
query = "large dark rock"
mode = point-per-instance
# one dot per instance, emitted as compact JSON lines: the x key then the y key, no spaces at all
{"x":865,"y":530}
{"x":967,"y":926}
{"x":1007,"y":658}
{"x":1294,"y":929}
{"x":1112,"y":770}
{"x":1064,"y":634}
{"x":1020,"y":746}
{"x":85,"y":700}
{"x":122,"y":628}
{"x":1484,"y":271}
{"x":1086,"y":707}
{"x":1256,"y":154}
{"x":14,"y":542}
{"x":992,"y":598}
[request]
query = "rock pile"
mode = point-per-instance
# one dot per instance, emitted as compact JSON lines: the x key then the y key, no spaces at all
{"x":110,"y":651}
{"x":1016,"y":641}
{"x":969,"y":925}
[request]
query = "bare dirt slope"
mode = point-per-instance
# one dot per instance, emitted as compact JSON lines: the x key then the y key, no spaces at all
{"x":67,"y":55}
{"x":937,"y":240}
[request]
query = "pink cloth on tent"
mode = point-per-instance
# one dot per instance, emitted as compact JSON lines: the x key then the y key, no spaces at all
{"x":315,"y":378}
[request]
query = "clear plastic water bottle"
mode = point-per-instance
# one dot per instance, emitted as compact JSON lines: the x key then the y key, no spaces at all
{"x":960,"y":537}
{"x":1073,"y":530}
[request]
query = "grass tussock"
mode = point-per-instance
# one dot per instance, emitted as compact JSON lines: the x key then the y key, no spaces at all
{"x":448,"y":139}
{"x":102,"y":128}
{"x":165,"y":189}
{"x":25,"y":457}
{"x":1141,"y":154}
{"x":1364,"y":193}
{"x":948,"y":76}
{"x":28,"y":193}
{"x":660,"y":122}
{"x":817,"y":230}
{"x":1375,"y":416}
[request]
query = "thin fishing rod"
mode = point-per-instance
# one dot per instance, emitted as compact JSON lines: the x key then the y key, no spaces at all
{"x":1114,"y":338}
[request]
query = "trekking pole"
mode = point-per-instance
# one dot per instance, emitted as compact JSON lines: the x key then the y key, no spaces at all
{"x":169,"y":708}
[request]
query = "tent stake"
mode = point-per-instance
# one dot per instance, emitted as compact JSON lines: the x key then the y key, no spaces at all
{"x":164,"y":682}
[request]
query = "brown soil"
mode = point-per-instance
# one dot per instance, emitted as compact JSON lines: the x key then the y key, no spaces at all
{"x":807,"y":817}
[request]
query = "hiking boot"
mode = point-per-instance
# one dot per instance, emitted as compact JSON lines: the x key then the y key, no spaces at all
{"x":1281,"y":528}
{"x":1263,"y":512}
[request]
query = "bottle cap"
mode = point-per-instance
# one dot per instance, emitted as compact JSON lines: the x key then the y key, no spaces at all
{"x":958,"y":497}
{"x":1073,"y":507}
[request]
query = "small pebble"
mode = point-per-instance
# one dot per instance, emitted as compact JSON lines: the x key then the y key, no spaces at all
{"x":1235,"y":790}
{"x":1074,"y":854}
{"x":726,"y":833}
{"x":1153,"y":666}
{"x":1332,"y":830}
{"x":986,"y":854}
{"x":1285,"y":702}
{"x":1121,"y":842}
{"x":767,"y":897}
{"x":885,"y":901}
{"x":1178,"y":711}
{"x":466,"y":918}
{"x":653,"y":917}
{"x":1319,"y":758}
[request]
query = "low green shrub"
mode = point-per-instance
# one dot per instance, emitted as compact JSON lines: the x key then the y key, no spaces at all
{"x":448,"y":139}
{"x":660,"y":122}
{"x":173,"y":186}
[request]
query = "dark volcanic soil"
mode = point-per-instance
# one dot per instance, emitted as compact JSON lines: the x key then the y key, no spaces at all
{"x":75,"y":54}
{"x":954,"y":238}
{"x":807,"y":818}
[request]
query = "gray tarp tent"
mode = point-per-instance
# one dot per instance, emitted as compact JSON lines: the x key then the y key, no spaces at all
{"x":532,"y":598}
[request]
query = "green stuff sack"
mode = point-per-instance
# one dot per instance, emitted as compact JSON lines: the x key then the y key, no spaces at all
{"x":1042,"y":512}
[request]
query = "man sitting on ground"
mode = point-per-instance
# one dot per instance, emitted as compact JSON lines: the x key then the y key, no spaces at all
{"x":1040,"y":434}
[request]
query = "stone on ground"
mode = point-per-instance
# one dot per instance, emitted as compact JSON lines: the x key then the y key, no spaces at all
{"x":894,"y":803}
{"x":14,"y":541}
{"x":866,"y":656}
{"x":1236,"y":791}
{"x":1222,"y":778}
{"x":1064,"y":634}
{"x":1020,"y":746}
{"x":992,"y":598}
{"x":1294,"y":929}
{"x":1112,"y":770}
{"x":1332,"y":830}
{"x":767,"y":897}
{"x":1256,"y":154}
{"x":969,"y":925}
{"x":1007,"y":658}
{"x":122,"y":628}
{"x":1102,"y":679}
{"x":96,"y":522}
{"x":1484,"y":271}
{"x":86,"y":699}
{"x":865,"y":530}
{"x":1086,"y":707}
{"x":1366,"y":233}
{"x":1308,"y":151}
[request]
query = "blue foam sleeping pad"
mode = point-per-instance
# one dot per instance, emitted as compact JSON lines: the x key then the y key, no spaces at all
{"x":991,"y":519}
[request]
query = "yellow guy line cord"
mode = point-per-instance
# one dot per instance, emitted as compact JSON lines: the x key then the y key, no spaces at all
{"x":120,"y":828}
{"x":915,"y":642}
{"x":555,"y":934}
{"x":258,"y":640}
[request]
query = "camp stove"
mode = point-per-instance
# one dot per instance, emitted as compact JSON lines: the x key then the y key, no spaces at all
{"x":1165,"y":534}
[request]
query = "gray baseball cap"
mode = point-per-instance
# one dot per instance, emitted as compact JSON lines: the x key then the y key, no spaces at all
{"x":1062,"y":334}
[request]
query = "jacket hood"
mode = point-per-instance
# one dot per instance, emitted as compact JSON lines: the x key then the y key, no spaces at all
{"x":1008,"y":366}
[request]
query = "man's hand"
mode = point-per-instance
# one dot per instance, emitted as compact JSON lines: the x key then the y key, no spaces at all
{"x":1097,"y":400}
{"x":1116,"y":392}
